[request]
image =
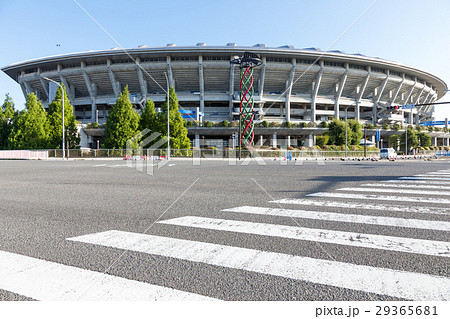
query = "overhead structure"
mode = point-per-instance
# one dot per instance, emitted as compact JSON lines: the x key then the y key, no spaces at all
{"x":292,"y":85}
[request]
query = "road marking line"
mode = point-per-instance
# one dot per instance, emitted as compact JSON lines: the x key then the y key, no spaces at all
{"x":407,"y":186}
{"x":381,"y":197}
{"x":394,"y":190}
{"x":416,"y":182}
{"x":46,"y":280}
{"x":438,"y":173}
{"x":432,"y":175}
{"x":426,"y":178}
{"x":100,"y":165}
{"x":400,"y":244}
{"x":396,"y":208}
{"x":348,"y":218}
{"x":396,"y":283}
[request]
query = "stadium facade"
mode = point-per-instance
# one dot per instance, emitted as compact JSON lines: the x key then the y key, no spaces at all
{"x":292,"y":85}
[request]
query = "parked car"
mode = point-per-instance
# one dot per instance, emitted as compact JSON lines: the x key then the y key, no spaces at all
{"x":388,"y":153}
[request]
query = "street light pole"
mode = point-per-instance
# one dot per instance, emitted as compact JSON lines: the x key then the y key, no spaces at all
{"x":168,"y":117}
{"x":63,"y":128}
{"x":346,"y":130}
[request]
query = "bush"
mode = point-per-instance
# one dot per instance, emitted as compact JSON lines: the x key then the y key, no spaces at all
{"x":287,"y":124}
{"x":274,"y":124}
{"x":234,"y":123}
{"x":302,"y":124}
{"x":322,"y":140}
{"x":312,"y":124}
{"x":189,"y":123}
{"x":396,"y":126}
{"x":92,"y":125}
{"x":385,"y":126}
{"x":225,"y":123}
{"x":370,"y":126}
{"x":323,"y":124}
{"x":290,"y":148}
{"x":265,"y":124}
{"x":208,"y":124}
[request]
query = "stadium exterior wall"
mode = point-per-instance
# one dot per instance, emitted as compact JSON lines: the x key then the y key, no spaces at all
{"x":293,"y":85}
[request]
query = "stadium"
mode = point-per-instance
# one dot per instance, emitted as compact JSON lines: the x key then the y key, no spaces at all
{"x":291,"y":85}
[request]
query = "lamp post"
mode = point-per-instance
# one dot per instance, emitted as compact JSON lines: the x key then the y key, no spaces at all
{"x":168,"y":117}
{"x":63,"y":128}
{"x":346,"y":130}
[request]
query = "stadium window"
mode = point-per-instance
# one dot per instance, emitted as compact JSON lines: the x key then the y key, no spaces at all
{"x":96,"y":63}
{"x":279,"y":60}
{"x":305,"y":61}
{"x":184,"y":58}
{"x":216,"y":58}
{"x":71,"y":66}
{"x":49,"y":69}
{"x":122,"y":61}
{"x":154,"y":59}
{"x":395,"y":73}
{"x":357,"y":67}
{"x":330,"y":63}
{"x":378,"y":70}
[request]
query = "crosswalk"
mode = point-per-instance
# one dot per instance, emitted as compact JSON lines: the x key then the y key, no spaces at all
{"x":419,"y":206}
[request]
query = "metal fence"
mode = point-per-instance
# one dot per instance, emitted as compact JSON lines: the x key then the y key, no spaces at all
{"x":206,"y":153}
{"x":203,"y":153}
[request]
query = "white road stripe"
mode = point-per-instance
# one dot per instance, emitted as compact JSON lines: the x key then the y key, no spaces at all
{"x":356,"y":205}
{"x":417,"y":182}
{"x":98,"y":164}
{"x":439,"y":173}
{"x":45,"y":280}
{"x":425,"y":178}
{"x":400,"y":244}
{"x":394,"y":190}
{"x":381,"y":197}
{"x":348,"y":218}
{"x":396,"y":283}
{"x":427,"y":186}
{"x":432,"y":175}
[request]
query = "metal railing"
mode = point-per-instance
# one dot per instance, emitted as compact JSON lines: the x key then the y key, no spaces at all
{"x":203,"y":153}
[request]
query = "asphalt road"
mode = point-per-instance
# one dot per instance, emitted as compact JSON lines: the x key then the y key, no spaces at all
{"x":43,"y":203}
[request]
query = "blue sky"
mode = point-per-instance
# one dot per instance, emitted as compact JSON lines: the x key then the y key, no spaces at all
{"x":411,"y":32}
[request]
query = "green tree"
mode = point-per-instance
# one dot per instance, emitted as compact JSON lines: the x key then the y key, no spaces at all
{"x":394,"y":141}
{"x":31,"y":128}
{"x":151,"y":120}
{"x":336,"y":131}
{"x":178,"y":130}
{"x":55,"y":119}
{"x":122,"y":122}
{"x":7,"y":113}
{"x":357,"y":133}
{"x":413,"y":139}
{"x":424,"y":139}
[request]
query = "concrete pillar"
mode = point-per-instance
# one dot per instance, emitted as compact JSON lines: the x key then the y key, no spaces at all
{"x":93,"y":111}
{"x":274,"y":140}
{"x":288,"y":140}
{"x":197,"y":141}
{"x":261,"y":140}
{"x":435,"y":141}
{"x":310,"y":140}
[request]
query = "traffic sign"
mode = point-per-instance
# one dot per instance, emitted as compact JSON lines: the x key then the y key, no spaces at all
{"x":377,"y":135}
{"x":431,"y":123}
{"x":408,"y":106}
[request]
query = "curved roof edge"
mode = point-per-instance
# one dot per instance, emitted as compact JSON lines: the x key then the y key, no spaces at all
{"x":203,"y":48}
